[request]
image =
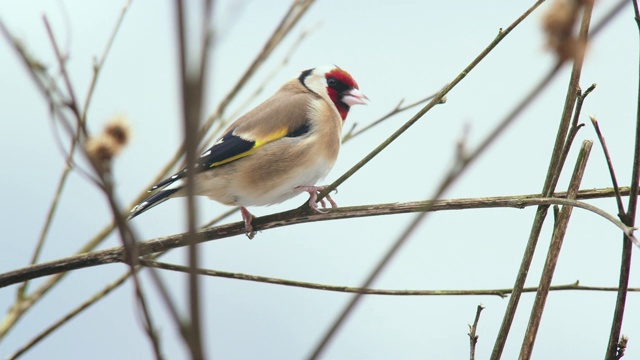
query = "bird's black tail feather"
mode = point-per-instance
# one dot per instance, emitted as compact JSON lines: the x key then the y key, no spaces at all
{"x":153,"y":200}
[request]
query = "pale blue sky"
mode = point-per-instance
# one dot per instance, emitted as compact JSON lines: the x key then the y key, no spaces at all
{"x":400,"y":50}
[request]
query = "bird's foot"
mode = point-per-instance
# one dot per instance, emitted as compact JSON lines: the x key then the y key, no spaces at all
{"x":247,"y":217}
{"x":313,"y":197}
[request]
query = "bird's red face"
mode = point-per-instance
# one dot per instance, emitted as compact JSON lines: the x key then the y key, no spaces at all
{"x":343,"y":91}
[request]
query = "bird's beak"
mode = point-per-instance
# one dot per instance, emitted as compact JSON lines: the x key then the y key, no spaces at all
{"x":355,"y":97}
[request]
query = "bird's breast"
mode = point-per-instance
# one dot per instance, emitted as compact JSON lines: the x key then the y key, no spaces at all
{"x":271,"y":175}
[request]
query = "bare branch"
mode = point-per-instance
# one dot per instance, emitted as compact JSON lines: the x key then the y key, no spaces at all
{"x":559,"y":231}
{"x":367,"y":291}
{"x":298,"y":216}
{"x":72,"y":103}
{"x":473,"y":337}
{"x":612,"y":173}
{"x":97,"y":67}
{"x":192,"y":83}
{"x":614,"y":351}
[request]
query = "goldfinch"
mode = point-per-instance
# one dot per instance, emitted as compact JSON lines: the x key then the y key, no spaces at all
{"x":276,"y":151}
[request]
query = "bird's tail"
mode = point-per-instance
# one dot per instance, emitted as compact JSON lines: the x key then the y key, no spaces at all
{"x":153,"y":200}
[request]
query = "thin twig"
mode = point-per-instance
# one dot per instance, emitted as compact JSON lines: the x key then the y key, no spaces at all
{"x":130,"y":254}
{"x":580,"y":101}
{"x":612,"y":173}
{"x":473,"y":337}
{"x":72,"y":103}
{"x":503,"y":293}
{"x":573,"y":131}
{"x":97,"y":67}
{"x":192,"y":84}
{"x":553,"y":254}
{"x":613,"y":348}
{"x":352,"y":133}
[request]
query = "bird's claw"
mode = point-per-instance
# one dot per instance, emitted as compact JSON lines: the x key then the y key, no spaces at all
{"x":313,"y":198}
{"x":248,"y":217}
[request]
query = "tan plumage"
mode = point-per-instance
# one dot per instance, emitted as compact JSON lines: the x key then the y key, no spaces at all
{"x":292,"y":161}
{"x":276,"y":151}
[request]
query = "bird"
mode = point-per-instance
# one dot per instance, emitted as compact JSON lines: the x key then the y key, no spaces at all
{"x":274,"y":152}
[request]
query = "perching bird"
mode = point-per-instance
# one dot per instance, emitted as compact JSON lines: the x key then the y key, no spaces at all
{"x":275,"y":151}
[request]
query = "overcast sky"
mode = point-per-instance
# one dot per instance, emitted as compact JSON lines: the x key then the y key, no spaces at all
{"x":401,"y":50}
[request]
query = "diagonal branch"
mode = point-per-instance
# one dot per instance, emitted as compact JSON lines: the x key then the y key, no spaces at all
{"x":553,"y":254}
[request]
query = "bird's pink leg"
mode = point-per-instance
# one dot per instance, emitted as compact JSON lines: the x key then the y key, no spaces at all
{"x":313,"y":197}
{"x":247,"y":217}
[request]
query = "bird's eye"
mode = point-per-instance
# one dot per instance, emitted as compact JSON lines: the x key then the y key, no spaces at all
{"x":332,"y":82}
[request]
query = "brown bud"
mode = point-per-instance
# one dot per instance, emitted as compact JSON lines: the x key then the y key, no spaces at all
{"x":109,"y":143}
{"x":101,"y":149}
{"x":118,"y":129}
{"x":559,"y":23}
